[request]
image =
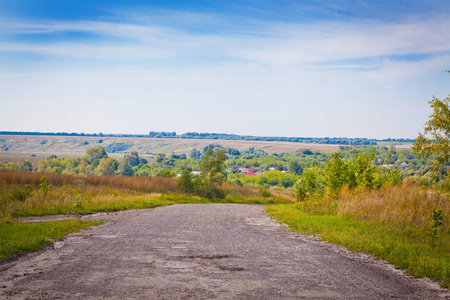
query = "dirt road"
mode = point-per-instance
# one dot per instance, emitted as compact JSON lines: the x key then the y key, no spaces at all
{"x":213,"y":251}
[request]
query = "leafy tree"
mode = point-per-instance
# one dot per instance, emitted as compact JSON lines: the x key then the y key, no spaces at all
{"x":107,"y":166}
{"x":438,"y":127}
{"x":143,"y":170}
{"x":312,"y":181}
{"x":212,"y":167}
{"x":185,"y":182}
{"x":361,"y":171}
{"x":167,"y":173}
{"x":336,"y":172}
{"x":26,"y":166}
{"x":125,"y":168}
{"x":160,"y":157}
{"x":96,"y":153}
{"x":195,"y":154}
{"x":295,"y":167}
{"x":178,"y":156}
{"x":133,"y":158}
{"x":308,"y":152}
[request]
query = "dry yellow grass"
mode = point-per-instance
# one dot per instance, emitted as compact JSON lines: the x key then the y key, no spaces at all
{"x":406,"y":205}
{"x":143,"y":184}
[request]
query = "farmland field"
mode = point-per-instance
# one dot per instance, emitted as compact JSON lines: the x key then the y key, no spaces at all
{"x":35,"y":147}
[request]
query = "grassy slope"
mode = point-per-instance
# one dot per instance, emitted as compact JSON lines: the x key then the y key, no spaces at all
{"x":16,"y":238}
{"x":21,"y":146}
{"x":407,"y":250}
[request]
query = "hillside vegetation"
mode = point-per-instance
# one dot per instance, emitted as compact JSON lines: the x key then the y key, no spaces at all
{"x":12,"y":146}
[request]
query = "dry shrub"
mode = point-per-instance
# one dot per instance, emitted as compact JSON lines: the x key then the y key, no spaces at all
{"x":138,"y":183}
{"x":245,"y":190}
{"x":33,"y":178}
{"x":403,"y":205}
{"x":283,"y":193}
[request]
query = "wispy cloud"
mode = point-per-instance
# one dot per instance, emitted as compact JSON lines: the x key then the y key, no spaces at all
{"x":312,"y":78}
{"x":273,"y":44}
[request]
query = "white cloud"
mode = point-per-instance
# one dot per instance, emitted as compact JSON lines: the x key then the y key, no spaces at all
{"x":283,"y":79}
{"x":275,"y":44}
{"x":390,"y":72}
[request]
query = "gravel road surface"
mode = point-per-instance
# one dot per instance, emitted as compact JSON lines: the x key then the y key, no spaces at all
{"x":211,"y":251}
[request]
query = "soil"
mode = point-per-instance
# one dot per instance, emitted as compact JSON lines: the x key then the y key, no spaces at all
{"x":210,"y":251}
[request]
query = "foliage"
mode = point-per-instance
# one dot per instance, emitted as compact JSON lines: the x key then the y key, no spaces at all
{"x":437,"y":219}
{"x":264,"y":192}
{"x":438,"y":126}
{"x":160,"y":157}
{"x":26,"y":166}
{"x":44,"y":187}
{"x":212,"y":177}
{"x":107,"y":166}
{"x":134,"y":159}
{"x":195,"y":154}
{"x":357,"y":172}
{"x":125,"y":169}
{"x":295,"y":167}
{"x":96,"y":153}
{"x":212,"y":167}
{"x":185,"y":182}
{"x":272,"y":178}
{"x":311,"y":181}
{"x":18,"y":193}
{"x":167,"y":173}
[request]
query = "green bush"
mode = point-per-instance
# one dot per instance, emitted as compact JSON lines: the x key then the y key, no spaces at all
{"x":185,"y":183}
{"x":18,"y":193}
{"x":263,"y":192}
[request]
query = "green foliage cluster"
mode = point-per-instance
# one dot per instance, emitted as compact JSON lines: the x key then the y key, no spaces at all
{"x":357,"y":172}
{"x":95,"y":162}
{"x":222,"y":136}
{"x":251,"y":166}
{"x":212,"y":176}
{"x":271,"y":178}
{"x":438,"y":128}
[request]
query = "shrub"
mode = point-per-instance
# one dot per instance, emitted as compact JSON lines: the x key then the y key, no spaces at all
{"x":185,"y":183}
{"x":17,"y":193}
{"x":263,"y":192}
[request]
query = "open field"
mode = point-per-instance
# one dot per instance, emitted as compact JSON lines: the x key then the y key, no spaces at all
{"x":35,"y":147}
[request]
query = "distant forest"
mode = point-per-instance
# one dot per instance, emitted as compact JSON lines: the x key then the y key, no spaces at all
{"x":223,"y":136}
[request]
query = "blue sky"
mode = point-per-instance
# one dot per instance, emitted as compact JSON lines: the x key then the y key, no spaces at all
{"x":268,"y":68}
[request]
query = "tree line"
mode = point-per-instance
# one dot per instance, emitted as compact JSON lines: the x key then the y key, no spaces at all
{"x":224,"y":136}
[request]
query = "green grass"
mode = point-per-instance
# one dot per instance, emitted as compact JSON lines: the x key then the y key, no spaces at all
{"x":406,"y":248}
{"x":17,"y":238}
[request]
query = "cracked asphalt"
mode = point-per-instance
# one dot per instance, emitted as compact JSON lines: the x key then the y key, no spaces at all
{"x":210,"y":251}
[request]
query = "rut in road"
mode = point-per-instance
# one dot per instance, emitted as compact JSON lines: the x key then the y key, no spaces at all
{"x":210,"y":251}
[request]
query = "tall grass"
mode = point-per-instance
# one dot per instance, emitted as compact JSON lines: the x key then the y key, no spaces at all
{"x":405,"y":224}
{"x":27,"y":194}
{"x":405,"y":206}
{"x":137,"y":183}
